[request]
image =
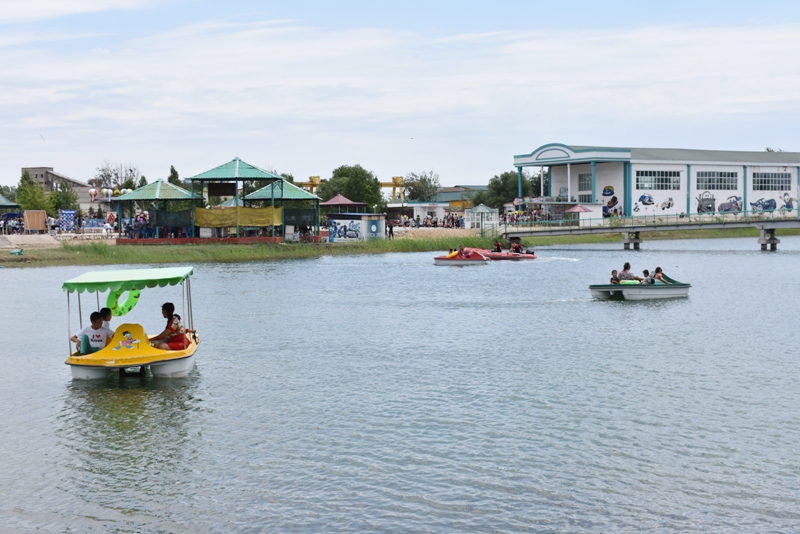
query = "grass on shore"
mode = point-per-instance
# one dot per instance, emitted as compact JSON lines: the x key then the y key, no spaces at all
{"x":100,"y":253}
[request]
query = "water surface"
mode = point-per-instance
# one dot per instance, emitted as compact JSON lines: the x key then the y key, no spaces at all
{"x":385,"y":393}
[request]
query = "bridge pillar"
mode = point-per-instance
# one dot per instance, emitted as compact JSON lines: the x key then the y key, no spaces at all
{"x":631,"y":238}
{"x":767,"y":237}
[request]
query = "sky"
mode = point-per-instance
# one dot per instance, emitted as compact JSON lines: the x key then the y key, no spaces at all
{"x":456,"y":87}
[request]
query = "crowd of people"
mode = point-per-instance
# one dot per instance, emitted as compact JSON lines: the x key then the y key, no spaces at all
{"x":626,"y":276}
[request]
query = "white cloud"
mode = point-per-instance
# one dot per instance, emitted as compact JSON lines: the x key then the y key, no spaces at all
{"x":319,"y":94}
{"x":28,"y":10}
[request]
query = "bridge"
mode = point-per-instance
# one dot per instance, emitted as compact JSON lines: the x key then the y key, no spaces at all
{"x":630,"y":227}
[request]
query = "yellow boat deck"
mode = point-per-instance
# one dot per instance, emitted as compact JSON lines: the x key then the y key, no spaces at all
{"x":130,"y":347}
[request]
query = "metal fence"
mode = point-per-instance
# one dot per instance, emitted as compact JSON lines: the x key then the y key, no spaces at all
{"x":615,"y":223}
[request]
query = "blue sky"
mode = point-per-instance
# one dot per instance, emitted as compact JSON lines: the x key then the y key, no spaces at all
{"x":454,"y":87}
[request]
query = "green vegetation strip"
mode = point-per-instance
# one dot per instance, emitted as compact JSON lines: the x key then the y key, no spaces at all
{"x":100,"y":253}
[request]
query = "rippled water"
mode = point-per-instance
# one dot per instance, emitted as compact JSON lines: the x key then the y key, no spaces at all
{"x":384,"y":393}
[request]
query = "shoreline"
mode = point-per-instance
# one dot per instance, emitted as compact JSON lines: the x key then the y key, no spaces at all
{"x":101,"y":252}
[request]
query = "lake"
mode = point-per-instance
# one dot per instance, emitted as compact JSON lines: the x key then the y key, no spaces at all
{"x":383,"y":393}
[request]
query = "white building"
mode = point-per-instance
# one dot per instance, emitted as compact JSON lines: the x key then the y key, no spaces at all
{"x":641,"y":181}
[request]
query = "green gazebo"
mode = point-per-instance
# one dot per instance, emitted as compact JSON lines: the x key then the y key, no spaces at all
{"x":161,"y":193}
{"x":225,"y":180}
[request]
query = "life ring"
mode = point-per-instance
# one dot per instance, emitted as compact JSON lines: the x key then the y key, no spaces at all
{"x":452,"y":254}
{"x":118,"y":309}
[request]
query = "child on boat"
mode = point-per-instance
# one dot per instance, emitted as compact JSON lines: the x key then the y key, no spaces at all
{"x":93,"y":337}
{"x":614,"y":278}
{"x":660,"y":276}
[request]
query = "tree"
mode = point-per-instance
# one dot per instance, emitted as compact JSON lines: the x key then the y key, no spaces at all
{"x":355,"y":183}
{"x":503,"y":188}
{"x":174,"y":179}
{"x":114,"y":175}
{"x":63,"y":197}
{"x":31,"y":195}
{"x":9,"y":191}
{"x":422,"y":186}
{"x":288,"y":177}
{"x":142,"y":182}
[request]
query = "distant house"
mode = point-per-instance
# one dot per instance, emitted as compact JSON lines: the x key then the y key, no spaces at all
{"x":49,"y":180}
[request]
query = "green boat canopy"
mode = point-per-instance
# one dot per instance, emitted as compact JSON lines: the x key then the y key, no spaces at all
{"x":127,"y":279}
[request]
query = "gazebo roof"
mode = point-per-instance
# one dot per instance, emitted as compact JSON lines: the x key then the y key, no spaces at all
{"x":341,"y":200}
{"x":159,"y":190}
{"x":236,"y":169}
{"x":481,"y":208}
{"x":5,"y":203}
{"x":289,"y":191}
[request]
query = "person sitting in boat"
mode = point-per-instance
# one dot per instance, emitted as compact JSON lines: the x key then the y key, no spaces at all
{"x":462,"y":253}
{"x":516,"y":248}
{"x":614,"y":277}
{"x":647,"y":279}
{"x":498,"y":247}
{"x":174,"y":335}
{"x":659,"y":275}
{"x":106,"y":314}
{"x":626,"y":273}
{"x":93,"y":337}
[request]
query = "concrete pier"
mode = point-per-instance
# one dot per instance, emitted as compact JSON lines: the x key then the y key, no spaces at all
{"x":767,"y":237}
{"x":631,"y":238}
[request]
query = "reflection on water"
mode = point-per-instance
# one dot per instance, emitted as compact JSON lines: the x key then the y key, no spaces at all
{"x":129,"y":443}
{"x":384,"y":393}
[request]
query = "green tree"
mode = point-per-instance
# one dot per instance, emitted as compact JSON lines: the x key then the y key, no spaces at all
{"x":9,"y":191}
{"x":174,"y":179}
{"x":422,"y":186}
{"x":113,"y":175}
{"x":142,"y":182}
{"x":31,"y":195}
{"x":503,"y":188}
{"x":288,"y":177}
{"x":355,"y":183}
{"x":63,"y":197}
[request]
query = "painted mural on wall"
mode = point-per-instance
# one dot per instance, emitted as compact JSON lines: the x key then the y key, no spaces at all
{"x":344,"y":230}
{"x":706,"y":203}
{"x":734,"y":203}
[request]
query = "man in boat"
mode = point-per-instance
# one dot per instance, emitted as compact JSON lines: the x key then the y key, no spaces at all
{"x":93,"y":337}
{"x":516,"y":248}
{"x":498,"y":247}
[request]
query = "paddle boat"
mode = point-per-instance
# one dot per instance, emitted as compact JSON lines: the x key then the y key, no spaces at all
{"x":508,"y":256}
{"x":130,"y":346}
{"x":633,"y":290}
{"x":469,"y":257}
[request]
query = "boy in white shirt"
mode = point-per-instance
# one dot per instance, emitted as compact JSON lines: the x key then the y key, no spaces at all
{"x":93,"y":337}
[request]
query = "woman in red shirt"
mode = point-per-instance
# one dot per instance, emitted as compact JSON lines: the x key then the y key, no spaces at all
{"x":174,"y":335}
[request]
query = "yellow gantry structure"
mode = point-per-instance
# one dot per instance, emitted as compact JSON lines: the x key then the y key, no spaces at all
{"x":397,"y":184}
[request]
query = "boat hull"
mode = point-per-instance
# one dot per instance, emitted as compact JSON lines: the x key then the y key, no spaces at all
{"x":640,"y":291}
{"x":458,"y":262}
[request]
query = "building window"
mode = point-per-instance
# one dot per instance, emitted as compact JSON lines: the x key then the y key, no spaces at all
{"x":585,"y":182}
{"x":658,"y":180}
{"x":772,"y":181}
{"x":717,"y":180}
{"x":585,"y":199}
